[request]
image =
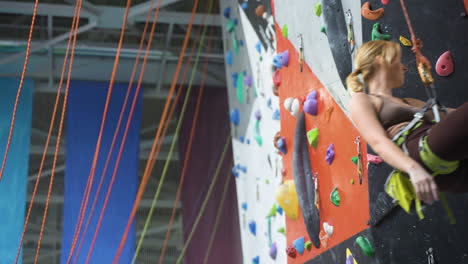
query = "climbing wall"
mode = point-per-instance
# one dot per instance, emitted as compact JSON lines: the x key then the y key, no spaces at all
{"x":254,"y":114}
{"x":331,"y":188}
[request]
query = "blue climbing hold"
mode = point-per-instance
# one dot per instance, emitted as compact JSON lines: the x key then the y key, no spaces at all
{"x":235,"y":172}
{"x":242,"y":168}
{"x":279,"y":210}
{"x":244,"y":5}
{"x":227,"y":12}
{"x":241,"y":42}
{"x":235,"y":116}
{"x":248,"y":141}
{"x":281,"y":59}
{"x":258,"y":115}
{"x":235,"y":21}
{"x":276,"y":115}
{"x":244,"y":206}
{"x":258,"y":46}
{"x":269,"y":103}
{"x":253,"y":227}
{"x":281,"y":143}
{"x":234,"y":76}
{"x":299,"y":245}
{"x":229,"y":58}
{"x":242,"y":139}
{"x":256,"y":260}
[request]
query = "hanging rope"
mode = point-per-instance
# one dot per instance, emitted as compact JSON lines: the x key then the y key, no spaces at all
{"x":20,"y":88}
{"x":146,"y":174}
{"x":51,"y":127}
{"x":135,"y":66}
{"x":59,"y":135}
{"x":101,"y":130}
{"x":218,"y":218}
{"x":205,"y":202}
{"x":166,"y":165}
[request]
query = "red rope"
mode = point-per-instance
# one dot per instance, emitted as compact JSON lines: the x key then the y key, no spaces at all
{"x":20,"y":88}
{"x":147,"y":173}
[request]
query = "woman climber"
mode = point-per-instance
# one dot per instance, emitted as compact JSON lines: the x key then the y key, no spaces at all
{"x":439,"y":149}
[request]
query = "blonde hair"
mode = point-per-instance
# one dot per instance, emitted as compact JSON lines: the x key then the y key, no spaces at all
{"x":364,"y":62}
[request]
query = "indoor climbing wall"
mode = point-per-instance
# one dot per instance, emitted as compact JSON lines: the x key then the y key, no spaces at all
{"x":255,"y":119}
{"x":337,"y":210}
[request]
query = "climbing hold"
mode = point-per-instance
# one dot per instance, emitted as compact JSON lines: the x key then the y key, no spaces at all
{"x":260,"y":10}
{"x":241,"y":42}
{"x":231,"y":25}
{"x":313,"y":137}
{"x":242,"y":139}
{"x":253,"y":227}
{"x":273,"y":251}
{"x":240,"y":88}
{"x":376,"y":35}
{"x":256,"y":260}
{"x":229,"y":58}
{"x":269,"y":103}
{"x":281,"y":144}
{"x":374,"y":159}
{"x":323,"y":238}
{"x":244,"y":5}
{"x":276,"y":115}
{"x":328,"y":113}
{"x":318,"y":9}
{"x":310,"y":105}
{"x":365,"y":246}
{"x":335,"y":196}
{"x":235,"y":44}
{"x":281,"y":59}
{"x":234,"y":76}
{"x":308,"y":245}
{"x":242,"y":168}
{"x":272,"y":212}
{"x":323,"y":30}
{"x":227,"y":12}
{"x":235,"y":117}
{"x":258,"y":46}
{"x":248,"y":80}
{"x":406,"y":42}
{"x":284,"y":31}
{"x":355,"y":160}
{"x":258,"y":115}
{"x":283,"y":171}
{"x":235,"y":172}
{"x":349,"y":257}
{"x":444,"y":65}
{"x":291,"y":251}
{"x":330,"y":154}
{"x":385,"y":2}
{"x":367,"y":13}
{"x":292,"y":106}
{"x":267,"y":181}
{"x":281,"y":230}
{"x":286,"y":197}
{"x":248,"y":141}
{"x":244,"y":206}
{"x":279,"y":210}
{"x":299,"y":245}
{"x":351,"y":181}
{"x":277,"y":78}
{"x":328,"y":229}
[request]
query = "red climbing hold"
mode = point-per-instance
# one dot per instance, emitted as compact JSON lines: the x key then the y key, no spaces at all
{"x":385,"y":2}
{"x":291,"y":251}
{"x":277,"y":78}
{"x":444,"y":65}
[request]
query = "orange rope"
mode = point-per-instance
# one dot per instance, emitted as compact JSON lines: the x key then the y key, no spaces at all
{"x":187,"y":153}
{"x":98,"y":144}
{"x":51,"y":126}
{"x":146,"y":174}
{"x":114,"y":174}
{"x":59,"y":135}
{"x":20,"y":88}
{"x":135,"y":66}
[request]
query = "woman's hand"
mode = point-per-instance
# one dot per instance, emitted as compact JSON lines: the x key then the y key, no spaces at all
{"x":424,"y":184}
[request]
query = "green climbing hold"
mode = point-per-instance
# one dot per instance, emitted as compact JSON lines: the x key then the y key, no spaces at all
{"x":231,"y":25}
{"x":323,"y":30}
{"x":376,"y":35}
{"x":272,"y":212}
{"x":313,"y":137}
{"x":257,"y":135}
{"x":355,"y":160}
{"x":318,"y":9}
{"x":308,"y":245}
{"x":267,"y":181}
{"x":240,"y":87}
{"x":284,"y":30}
{"x":335,"y":197}
{"x":235,"y":44}
{"x":365,"y":246}
{"x":282,"y":230}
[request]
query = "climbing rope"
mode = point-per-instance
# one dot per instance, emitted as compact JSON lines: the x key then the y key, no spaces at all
{"x":20,"y":88}
{"x":101,"y":130}
{"x":218,"y":218}
{"x":166,"y":165}
{"x":51,"y":126}
{"x":205,"y":201}
{"x":59,"y":135}
{"x":117,"y":130}
{"x":146,"y":174}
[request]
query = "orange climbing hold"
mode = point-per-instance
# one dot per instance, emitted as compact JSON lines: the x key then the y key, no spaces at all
{"x":371,"y":14}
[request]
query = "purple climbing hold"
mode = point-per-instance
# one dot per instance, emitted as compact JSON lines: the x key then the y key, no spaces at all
{"x":253,"y":227}
{"x":227,"y":12}
{"x":312,"y":95}
{"x":258,"y":115}
{"x":276,"y":115}
{"x":281,"y":59}
{"x":235,"y":116}
{"x":273,"y":251}
{"x":248,"y":80}
{"x":229,"y":58}
{"x":330,"y":154}
{"x":256,"y":260}
{"x":310,"y":107}
{"x":281,"y":143}
{"x":350,"y":260}
{"x":285,"y":58}
{"x":299,"y":245}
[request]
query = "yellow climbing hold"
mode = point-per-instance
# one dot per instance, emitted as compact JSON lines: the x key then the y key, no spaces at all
{"x":286,"y":196}
{"x":406,"y":42}
{"x":349,"y":256}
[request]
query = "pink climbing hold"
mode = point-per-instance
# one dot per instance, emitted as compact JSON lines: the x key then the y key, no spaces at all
{"x":385,"y":2}
{"x":374,"y":159}
{"x":444,"y":65}
{"x":277,"y":78}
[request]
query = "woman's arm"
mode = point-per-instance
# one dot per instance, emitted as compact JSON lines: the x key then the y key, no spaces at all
{"x":365,"y":119}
